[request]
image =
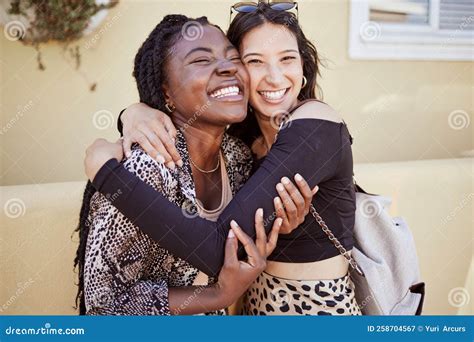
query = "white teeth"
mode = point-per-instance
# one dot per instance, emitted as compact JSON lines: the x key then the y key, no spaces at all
{"x":228,"y":91}
{"x":273,"y":95}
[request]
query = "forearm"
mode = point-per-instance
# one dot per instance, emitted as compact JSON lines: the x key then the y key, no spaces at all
{"x":199,"y":241}
{"x":195,"y":240}
{"x":193,"y":300}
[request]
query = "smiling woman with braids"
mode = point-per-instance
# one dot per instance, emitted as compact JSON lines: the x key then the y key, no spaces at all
{"x":121,"y":269}
{"x":310,"y":265}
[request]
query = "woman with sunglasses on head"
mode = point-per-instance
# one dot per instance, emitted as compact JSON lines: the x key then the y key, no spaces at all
{"x":306,"y":274}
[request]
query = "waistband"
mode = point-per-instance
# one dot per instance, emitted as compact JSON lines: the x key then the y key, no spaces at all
{"x":328,"y":269}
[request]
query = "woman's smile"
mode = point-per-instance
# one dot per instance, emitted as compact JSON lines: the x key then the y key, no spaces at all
{"x":274,"y":96}
{"x":228,"y":92}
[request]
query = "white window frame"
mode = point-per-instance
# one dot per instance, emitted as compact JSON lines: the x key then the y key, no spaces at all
{"x":371,"y":40}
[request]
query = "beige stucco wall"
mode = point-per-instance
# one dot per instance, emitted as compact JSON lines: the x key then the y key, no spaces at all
{"x":397,"y":110}
{"x":37,"y":247}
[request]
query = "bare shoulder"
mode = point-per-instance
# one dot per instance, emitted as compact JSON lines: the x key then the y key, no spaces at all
{"x":316,"y":110}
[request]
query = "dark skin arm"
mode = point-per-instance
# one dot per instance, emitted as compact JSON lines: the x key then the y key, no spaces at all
{"x":235,"y":276}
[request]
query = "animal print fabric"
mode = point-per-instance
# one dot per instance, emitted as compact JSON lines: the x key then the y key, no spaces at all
{"x":126,"y":272}
{"x":270,"y":295}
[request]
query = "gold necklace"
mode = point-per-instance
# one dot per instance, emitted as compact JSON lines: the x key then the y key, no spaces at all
{"x":207,"y":171}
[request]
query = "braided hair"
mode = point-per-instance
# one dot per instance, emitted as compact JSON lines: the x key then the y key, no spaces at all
{"x":83,"y":230}
{"x":150,"y":61}
{"x":150,"y":74}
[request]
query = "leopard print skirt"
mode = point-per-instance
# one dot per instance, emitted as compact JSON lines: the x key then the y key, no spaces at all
{"x":270,"y":295}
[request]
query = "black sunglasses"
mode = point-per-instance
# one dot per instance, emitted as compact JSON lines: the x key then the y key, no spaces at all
{"x":250,"y":6}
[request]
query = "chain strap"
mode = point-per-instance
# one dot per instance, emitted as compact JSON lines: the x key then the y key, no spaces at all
{"x":335,"y":241}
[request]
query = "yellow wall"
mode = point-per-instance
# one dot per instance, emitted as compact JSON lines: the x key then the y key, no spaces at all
{"x":397,"y":110}
{"x":37,"y":246}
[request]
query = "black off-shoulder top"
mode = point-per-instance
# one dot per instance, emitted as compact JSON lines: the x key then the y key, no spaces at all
{"x":319,"y":150}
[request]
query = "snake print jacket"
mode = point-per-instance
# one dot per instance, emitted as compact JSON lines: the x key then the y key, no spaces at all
{"x":126,"y":272}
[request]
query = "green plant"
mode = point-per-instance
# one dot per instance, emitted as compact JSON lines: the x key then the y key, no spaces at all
{"x":63,"y":21}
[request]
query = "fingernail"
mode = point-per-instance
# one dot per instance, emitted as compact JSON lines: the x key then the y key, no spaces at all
{"x":173,"y":140}
{"x":279,"y":221}
{"x":179,"y":163}
{"x":260,"y":212}
{"x":160,"y":159}
{"x":234,"y":224}
{"x":231,"y":234}
{"x":280,"y":187}
{"x":277,"y":200}
{"x":285,"y":180}
{"x":316,"y":188}
{"x":128,"y":154}
{"x":170,"y":165}
{"x":298,"y":177}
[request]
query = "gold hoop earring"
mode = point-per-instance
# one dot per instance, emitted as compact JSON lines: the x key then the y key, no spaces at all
{"x":305,"y":81}
{"x":170,"y":108}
